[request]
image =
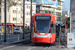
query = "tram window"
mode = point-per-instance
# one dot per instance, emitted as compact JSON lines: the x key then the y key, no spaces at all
{"x":42,"y":26}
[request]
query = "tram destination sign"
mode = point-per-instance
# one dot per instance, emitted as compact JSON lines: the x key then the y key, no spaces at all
{"x":42,"y":17}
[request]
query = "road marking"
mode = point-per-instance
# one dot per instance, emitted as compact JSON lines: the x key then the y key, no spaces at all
{"x":31,"y":48}
{"x":1,"y":45}
{"x":9,"y":47}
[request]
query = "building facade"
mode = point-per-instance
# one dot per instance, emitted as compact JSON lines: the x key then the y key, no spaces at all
{"x":15,"y":14}
{"x":46,"y":8}
{"x":28,"y":12}
{"x":58,"y":11}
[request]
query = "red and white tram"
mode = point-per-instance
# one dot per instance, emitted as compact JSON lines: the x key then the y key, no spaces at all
{"x":43,"y":28}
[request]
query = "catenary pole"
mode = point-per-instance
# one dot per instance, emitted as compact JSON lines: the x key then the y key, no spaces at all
{"x":31,"y":18}
{"x":4,"y":20}
{"x":23,"y":17}
{"x":70,"y":13}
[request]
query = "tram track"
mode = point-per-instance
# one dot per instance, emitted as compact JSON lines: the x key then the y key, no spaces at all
{"x":34,"y":46}
{"x":43,"y":45}
{"x":29,"y":46}
{"x":47,"y":48}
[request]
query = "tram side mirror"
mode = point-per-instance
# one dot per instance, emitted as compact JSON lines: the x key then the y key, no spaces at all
{"x":52,"y":24}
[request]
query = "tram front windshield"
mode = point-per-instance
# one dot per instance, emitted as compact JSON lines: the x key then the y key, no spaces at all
{"x":42,"y":25}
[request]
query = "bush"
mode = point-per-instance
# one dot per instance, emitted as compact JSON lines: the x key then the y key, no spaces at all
{"x":27,"y":29}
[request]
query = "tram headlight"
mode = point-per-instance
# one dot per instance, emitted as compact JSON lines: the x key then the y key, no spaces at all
{"x":49,"y":36}
{"x":34,"y":35}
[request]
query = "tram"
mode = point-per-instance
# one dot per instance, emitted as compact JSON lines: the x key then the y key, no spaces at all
{"x":43,"y":28}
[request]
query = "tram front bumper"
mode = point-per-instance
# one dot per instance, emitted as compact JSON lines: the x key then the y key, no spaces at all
{"x":41,"y":40}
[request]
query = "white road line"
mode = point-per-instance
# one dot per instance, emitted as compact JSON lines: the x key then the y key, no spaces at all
{"x":31,"y":48}
{"x":1,"y":45}
{"x":9,"y":47}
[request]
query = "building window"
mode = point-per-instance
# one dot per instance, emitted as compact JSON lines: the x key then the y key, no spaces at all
{"x":13,"y":11}
{"x":58,"y":14}
{"x":26,"y":20}
{"x":13,"y":19}
{"x":27,"y":0}
{"x":58,"y":18}
{"x":59,"y":3}
{"x":46,"y":11}
{"x":59,"y":8}
{"x":50,"y":12}
{"x":33,"y":13}
{"x":27,"y":13}
{"x":16,"y":11}
{"x":27,"y":6}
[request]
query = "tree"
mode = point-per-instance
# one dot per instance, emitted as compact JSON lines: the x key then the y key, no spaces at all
{"x":9,"y":3}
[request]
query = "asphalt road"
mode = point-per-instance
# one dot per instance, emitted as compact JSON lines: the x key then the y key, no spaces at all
{"x":29,"y":46}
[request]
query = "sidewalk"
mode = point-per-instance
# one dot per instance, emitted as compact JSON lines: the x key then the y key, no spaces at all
{"x":60,"y":48}
{"x":6,"y":43}
{"x":14,"y":39}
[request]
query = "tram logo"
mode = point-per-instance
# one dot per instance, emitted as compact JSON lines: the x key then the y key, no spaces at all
{"x":42,"y":34}
{"x":37,"y":17}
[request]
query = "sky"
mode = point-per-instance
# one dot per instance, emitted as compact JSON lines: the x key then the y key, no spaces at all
{"x":66,"y":5}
